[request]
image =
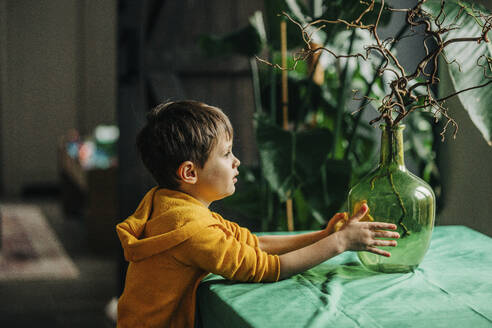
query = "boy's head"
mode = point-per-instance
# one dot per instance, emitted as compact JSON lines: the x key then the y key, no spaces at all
{"x":177,"y":132}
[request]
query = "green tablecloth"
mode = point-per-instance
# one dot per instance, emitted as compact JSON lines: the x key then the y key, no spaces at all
{"x":451,"y":288}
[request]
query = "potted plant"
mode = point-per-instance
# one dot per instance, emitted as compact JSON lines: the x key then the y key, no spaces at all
{"x":302,"y":162}
{"x":391,"y":191}
{"x":327,"y":147}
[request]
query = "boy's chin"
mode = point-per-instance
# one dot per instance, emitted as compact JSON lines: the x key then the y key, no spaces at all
{"x":227,"y":194}
{"x":231,"y":192}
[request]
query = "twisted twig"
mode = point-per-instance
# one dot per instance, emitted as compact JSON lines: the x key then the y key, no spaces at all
{"x":403,"y":98}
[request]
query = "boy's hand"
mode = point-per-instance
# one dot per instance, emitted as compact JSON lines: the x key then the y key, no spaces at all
{"x":336,"y":223}
{"x":362,"y":236}
{"x":339,"y":220}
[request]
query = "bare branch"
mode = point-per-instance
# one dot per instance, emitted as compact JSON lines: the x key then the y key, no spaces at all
{"x":402,"y":98}
{"x":464,"y":90}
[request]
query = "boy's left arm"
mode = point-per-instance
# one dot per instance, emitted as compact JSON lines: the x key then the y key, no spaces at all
{"x":277,"y":244}
{"x":281,"y":244}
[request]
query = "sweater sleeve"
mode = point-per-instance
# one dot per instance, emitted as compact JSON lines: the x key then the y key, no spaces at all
{"x":216,"y":250}
{"x":243,"y":235}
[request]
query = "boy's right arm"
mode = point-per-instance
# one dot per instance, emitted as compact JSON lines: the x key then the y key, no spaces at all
{"x":354,"y":236}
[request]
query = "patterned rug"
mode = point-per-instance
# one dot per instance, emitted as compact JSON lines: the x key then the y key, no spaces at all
{"x":29,"y":247}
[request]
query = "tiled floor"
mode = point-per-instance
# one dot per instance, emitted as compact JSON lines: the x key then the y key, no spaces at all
{"x":63,"y":303}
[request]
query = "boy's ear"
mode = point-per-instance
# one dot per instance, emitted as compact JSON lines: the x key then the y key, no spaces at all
{"x":187,"y":172}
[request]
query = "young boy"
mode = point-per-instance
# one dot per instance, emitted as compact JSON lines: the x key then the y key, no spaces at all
{"x":173,"y":240}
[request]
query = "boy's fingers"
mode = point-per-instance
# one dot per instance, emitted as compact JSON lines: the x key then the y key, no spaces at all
{"x":336,"y":222}
{"x":339,"y":215}
{"x":379,"y":242}
{"x":386,"y":234}
{"x":378,"y":251}
{"x":382,"y":226}
{"x":360,"y":214}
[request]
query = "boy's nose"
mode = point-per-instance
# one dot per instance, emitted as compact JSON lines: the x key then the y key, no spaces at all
{"x":237,"y":162}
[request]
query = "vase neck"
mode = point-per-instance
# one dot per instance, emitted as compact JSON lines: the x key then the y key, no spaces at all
{"x":392,"y":147}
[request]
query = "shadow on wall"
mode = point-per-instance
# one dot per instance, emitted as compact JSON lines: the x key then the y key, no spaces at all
{"x":466,"y":171}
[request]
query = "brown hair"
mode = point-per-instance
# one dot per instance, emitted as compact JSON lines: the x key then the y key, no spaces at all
{"x":177,"y":132}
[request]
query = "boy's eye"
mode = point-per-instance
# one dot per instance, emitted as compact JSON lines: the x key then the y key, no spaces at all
{"x":228,"y":153}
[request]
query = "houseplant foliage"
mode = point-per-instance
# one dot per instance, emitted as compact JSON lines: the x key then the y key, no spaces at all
{"x":475,"y":63}
{"x":345,"y":148}
{"x":301,"y":162}
{"x":392,"y":193}
{"x":411,"y":91}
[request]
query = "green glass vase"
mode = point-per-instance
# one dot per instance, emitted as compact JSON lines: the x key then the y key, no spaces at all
{"x":395,"y":195}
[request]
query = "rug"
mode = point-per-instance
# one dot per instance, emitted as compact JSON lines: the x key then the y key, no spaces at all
{"x":29,"y":247}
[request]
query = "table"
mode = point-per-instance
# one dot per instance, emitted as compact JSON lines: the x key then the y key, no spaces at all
{"x":452,"y":287}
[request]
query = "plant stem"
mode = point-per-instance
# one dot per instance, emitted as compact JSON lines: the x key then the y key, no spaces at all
{"x":256,"y":84}
{"x":268,"y":198}
{"x":285,"y":92}
{"x":400,"y":202}
{"x":341,"y":100}
{"x":273,"y":93}
{"x":285,"y":111}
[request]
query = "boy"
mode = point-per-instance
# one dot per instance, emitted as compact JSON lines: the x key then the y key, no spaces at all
{"x":173,"y":240}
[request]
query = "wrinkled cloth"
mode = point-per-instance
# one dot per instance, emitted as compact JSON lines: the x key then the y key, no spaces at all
{"x":172,"y":241}
{"x":452,"y":287}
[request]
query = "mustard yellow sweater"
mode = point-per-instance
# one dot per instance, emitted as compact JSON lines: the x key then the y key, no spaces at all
{"x":172,"y":242}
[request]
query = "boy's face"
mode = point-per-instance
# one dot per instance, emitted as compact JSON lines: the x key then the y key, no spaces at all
{"x":217,"y":177}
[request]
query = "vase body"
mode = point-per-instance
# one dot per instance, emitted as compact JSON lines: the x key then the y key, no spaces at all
{"x":395,"y":195}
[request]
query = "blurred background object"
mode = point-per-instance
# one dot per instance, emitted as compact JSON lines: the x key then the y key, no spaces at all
{"x":88,"y":181}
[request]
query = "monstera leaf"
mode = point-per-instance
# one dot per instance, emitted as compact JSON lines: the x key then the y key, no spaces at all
{"x":251,"y":39}
{"x":248,"y":41}
{"x":477,"y":102}
{"x":290,"y":159}
{"x":273,"y":16}
{"x":293,"y":161}
{"x":327,"y":194}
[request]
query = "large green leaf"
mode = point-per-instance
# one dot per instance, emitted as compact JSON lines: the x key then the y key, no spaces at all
{"x":326,"y":195}
{"x":248,"y":198}
{"x":250,"y":40}
{"x":290,"y":159}
{"x":273,"y":15}
{"x":305,"y":97}
{"x":477,"y":102}
{"x":247,"y":41}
